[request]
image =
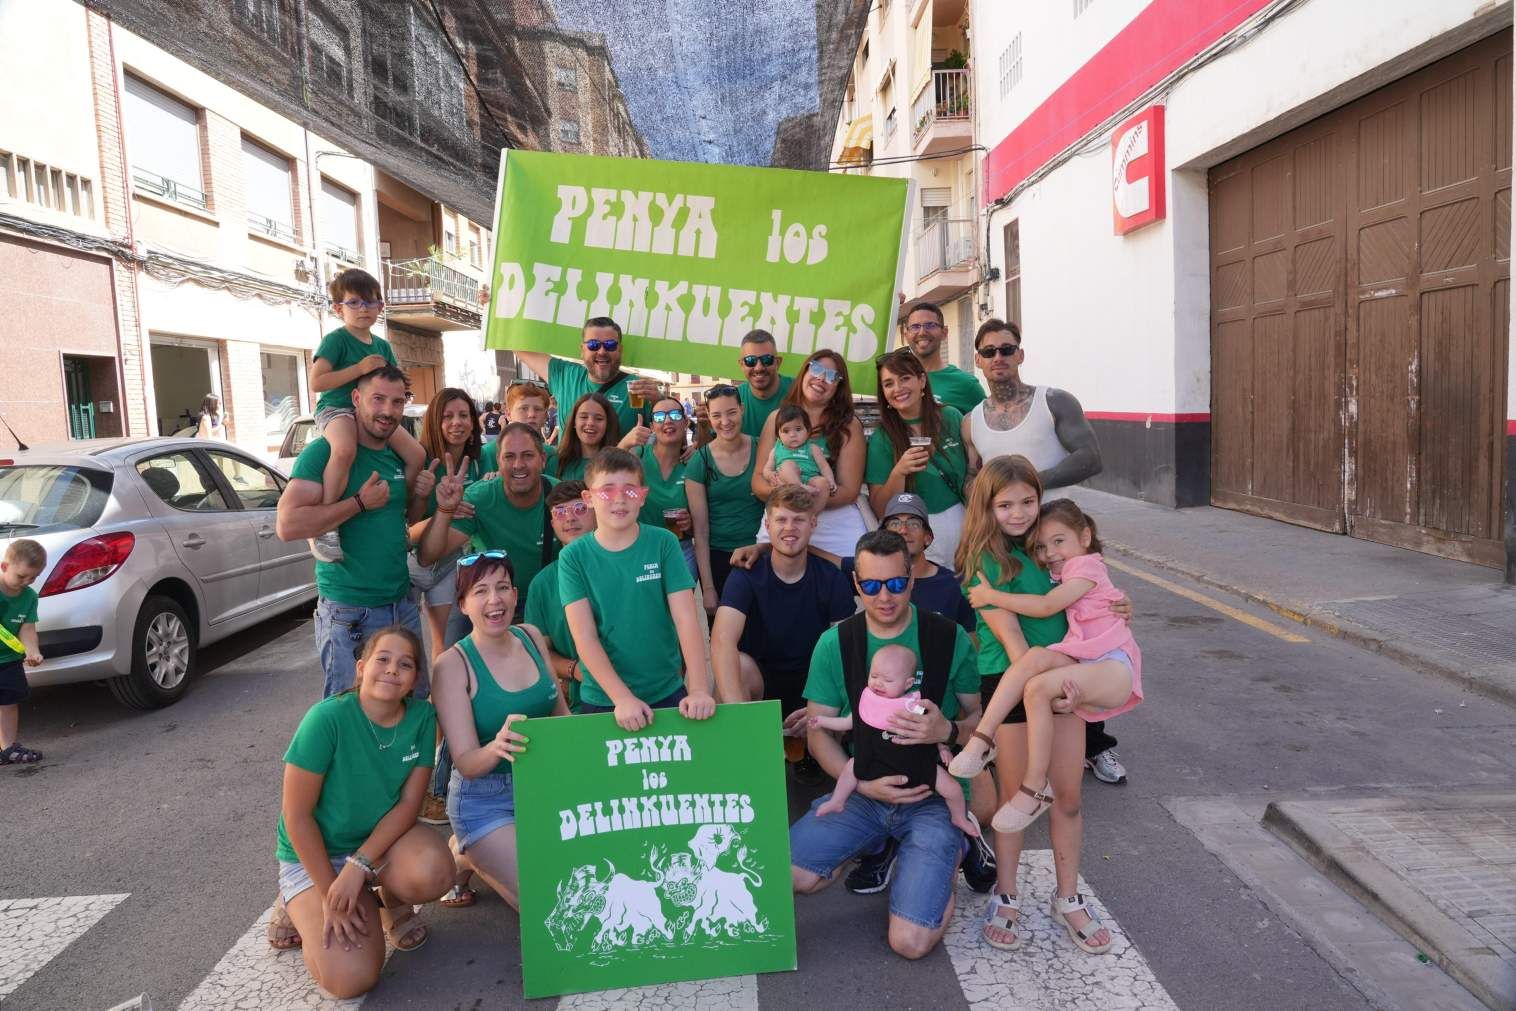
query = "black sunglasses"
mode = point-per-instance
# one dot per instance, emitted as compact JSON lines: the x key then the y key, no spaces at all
{"x":751,"y":360}
{"x":1004,"y":350}
{"x":895,"y":584}
{"x":722,"y":390}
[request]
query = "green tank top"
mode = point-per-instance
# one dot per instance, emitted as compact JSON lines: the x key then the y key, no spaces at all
{"x":492,"y":703}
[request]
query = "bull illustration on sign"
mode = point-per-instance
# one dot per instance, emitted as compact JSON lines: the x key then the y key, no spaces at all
{"x":708,"y":900}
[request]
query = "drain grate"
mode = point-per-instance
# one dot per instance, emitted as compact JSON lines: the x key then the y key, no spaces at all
{"x":1468,"y":638}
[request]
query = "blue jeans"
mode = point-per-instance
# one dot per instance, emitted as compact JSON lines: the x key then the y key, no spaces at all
{"x":341,"y":630}
{"x":930,"y":849}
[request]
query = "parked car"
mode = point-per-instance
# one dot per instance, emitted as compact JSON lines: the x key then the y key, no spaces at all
{"x":155,"y":548}
{"x":303,"y":429}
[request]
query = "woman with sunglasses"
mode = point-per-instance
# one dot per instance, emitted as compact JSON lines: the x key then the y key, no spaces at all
{"x":496,"y":675}
{"x":571,"y":518}
{"x":592,"y":425}
{"x":719,"y":486}
{"x":663,"y":469}
{"x":918,"y":447}
{"x":822,"y":390}
{"x":450,"y":431}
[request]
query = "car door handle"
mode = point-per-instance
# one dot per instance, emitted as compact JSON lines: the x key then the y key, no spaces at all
{"x":265,"y":532}
{"x":193,"y":541}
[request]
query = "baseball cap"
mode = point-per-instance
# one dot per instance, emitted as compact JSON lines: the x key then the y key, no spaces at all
{"x":906,"y":504}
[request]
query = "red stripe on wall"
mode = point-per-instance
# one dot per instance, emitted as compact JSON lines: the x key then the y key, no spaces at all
{"x":1170,"y":419}
{"x":1510,"y":428}
{"x":1154,"y":44}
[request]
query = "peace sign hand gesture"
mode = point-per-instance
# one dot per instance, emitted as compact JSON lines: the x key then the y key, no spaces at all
{"x":450,"y":486}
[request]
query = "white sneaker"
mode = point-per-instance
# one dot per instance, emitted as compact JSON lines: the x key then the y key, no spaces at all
{"x":1107,"y":767}
{"x":327,"y":547}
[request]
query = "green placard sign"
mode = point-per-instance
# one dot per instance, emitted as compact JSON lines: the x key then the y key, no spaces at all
{"x":688,"y":258}
{"x":653,"y":857}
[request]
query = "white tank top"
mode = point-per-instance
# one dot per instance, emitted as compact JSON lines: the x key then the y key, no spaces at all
{"x":1034,"y":438}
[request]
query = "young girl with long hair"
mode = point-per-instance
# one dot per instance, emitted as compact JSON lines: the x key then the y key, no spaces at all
{"x":591,"y":426}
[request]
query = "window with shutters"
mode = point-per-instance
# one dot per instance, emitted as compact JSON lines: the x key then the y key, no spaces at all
{"x":266,"y":184}
{"x":163,"y":137}
{"x":1013,"y":273}
{"x":340,"y":231}
{"x":1010,"y":66}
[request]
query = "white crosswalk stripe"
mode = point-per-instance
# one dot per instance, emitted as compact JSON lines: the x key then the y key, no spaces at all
{"x":36,"y":930}
{"x":1047,"y":971}
{"x":733,"y":993}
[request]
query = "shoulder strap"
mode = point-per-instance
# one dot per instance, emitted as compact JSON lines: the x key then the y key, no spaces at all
{"x":610,"y":383}
{"x":531,"y":650}
{"x":549,"y":542}
{"x":853,"y":643}
{"x":471,"y":659}
{"x":938,"y":635}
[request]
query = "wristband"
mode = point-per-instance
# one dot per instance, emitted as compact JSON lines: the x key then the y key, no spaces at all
{"x":358,"y":499}
{"x":370,"y":872}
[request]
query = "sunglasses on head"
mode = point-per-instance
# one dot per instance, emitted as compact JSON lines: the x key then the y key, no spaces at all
{"x":751,"y":360}
{"x":564,"y":510}
{"x":895,"y":584}
{"x":673,"y":414}
{"x":596,"y":344}
{"x":722,"y":390}
{"x":494,"y":555}
{"x":1005,"y":350}
{"x":826,"y":374}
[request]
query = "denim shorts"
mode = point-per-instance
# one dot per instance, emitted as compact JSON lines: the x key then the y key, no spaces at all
{"x":434,"y":584}
{"x":931,"y":847}
{"x":326,"y":414}
{"x":294,"y":878}
{"x":477,"y":807}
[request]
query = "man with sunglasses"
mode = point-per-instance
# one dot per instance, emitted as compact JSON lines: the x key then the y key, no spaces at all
{"x":924,"y":332}
{"x":764,"y":387}
{"x":599,"y":371}
{"x":930,"y":847}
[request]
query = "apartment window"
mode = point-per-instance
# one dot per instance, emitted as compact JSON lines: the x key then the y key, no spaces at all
{"x":390,"y":83}
{"x":1013,"y":272}
{"x":568,"y":131}
{"x":1010,"y":66}
{"x":270,"y":197}
{"x":567,"y":78}
{"x":31,"y":182}
{"x":163,"y":135}
{"x":439,"y":79}
{"x":270,"y":20}
{"x":330,"y":44}
{"x":475,"y":246}
{"x":339,"y":222}
{"x":450,"y":235}
{"x":1080,"y":6}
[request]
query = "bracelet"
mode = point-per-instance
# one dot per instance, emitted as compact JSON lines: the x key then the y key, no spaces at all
{"x":358,"y":499}
{"x":370,"y":872}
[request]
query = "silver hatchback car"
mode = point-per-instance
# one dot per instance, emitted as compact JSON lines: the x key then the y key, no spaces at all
{"x":155,"y":547}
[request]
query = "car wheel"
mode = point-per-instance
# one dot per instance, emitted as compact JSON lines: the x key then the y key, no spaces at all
{"x":163,"y":657}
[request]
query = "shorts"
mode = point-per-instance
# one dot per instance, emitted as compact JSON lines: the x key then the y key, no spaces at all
{"x":931,"y":847}
{"x":786,"y":685}
{"x":987,"y":686}
{"x":435,"y":584}
{"x":294,"y":878}
{"x":672,"y":702}
{"x":13,"y":686}
{"x":326,"y":414}
{"x":477,"y":807}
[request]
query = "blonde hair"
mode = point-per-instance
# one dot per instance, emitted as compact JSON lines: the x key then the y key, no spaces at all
{"x":981,"y":533}
{"x":25,"y":551}
{"x":794,"y":497}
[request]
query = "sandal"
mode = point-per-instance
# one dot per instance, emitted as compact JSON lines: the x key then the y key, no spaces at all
{"x":967,"y":766}
{"x":1011,"y":819}
{"x":459,"y":897}
{"x":282,"y":935}
{"x":995,"y":916}
{"x":402,"y":928}
{"x":1061,"y":907}
{"x":17,"y":754}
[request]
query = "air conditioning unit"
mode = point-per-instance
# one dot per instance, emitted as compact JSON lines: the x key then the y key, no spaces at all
{"x":384,"y":250}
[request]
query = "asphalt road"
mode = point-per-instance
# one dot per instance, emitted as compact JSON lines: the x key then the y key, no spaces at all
{"x":176,"y":810}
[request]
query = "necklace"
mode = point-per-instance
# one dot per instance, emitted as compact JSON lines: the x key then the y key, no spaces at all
{"x":375,"y":733}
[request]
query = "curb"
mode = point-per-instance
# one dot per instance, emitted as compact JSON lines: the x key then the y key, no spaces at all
{"x":1333,"y":624}
{"x":1404,"y":909}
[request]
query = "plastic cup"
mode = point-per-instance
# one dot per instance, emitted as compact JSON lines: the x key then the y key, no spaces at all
{"x":673,"y":520}
{"x":634,"y":400}
{"x":794,"y":749}
{"x":920,"y":441}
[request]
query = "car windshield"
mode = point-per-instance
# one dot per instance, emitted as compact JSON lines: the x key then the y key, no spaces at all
{"x":44,"y":497}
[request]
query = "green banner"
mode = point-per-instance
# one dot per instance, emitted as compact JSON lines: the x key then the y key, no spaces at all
{"x":653,"y":857}
{"x":688,"y":258}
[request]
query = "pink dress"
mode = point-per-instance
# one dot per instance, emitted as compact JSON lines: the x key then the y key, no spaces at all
{"x":1095,"y":631}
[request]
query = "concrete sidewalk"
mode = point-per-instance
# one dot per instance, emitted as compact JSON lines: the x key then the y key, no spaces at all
{"x":1450,"y":618}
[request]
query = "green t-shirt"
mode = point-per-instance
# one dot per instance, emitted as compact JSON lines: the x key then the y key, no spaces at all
{"x":544,"y":609}
{"x":497,"y":523}
{"x":373,"y":570}
{"x":662,"y":493}
{"x":628,"y":592}
{"x":568,"y":381}
{"x":361,"y":782}
{"x":956,"y":388}
{"x":941,"y":485}
{"x":755,"y":411}
{"x":825,"y":684}
{"x":993,"y":658}
{"x":734,"y":511}
{"x":342,"y":350}
{"x":15,"y":612}
{"x":572,"y":471}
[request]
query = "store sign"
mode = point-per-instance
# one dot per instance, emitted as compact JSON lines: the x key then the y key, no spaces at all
{"x":654,"y":857}
{"x":689,"y":258}
{"x":1137,"y":173}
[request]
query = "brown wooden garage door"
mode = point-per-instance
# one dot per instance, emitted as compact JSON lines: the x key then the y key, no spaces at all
{"x":1360,"y":272}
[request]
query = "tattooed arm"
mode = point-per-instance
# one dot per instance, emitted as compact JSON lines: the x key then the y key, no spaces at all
{"x":1073,"y":430}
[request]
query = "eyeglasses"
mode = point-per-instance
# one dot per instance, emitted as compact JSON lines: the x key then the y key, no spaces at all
{"x":360,"y":303}
{"x":611,"y":492}
{"x":595,"y":344}
{"x":723,"y":390}
{"x":899,"y":523}
{"x":493,"y":555}
{"x":1004,"y":350}
{"x":751,"y":360}
{"x":566,"y":509}
{"x":674,"y":414}
{"x":923,"y":328}
{"x":825,"y":374}
{"x":895,"y":584}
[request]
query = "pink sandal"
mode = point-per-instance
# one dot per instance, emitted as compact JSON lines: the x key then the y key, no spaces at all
{"x":1012,"y":819}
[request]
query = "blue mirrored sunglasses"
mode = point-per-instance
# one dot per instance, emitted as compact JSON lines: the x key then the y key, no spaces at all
{"x":659,"y":417}
{"x":828,"y":374}
{"x":494,"y":555}
{"x":595,"y":344}
{"x":895,"y":584}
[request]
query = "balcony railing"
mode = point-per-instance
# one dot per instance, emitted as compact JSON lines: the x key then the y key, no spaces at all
{"x":944,"y":244}
{"x":168,"y":189}
{"x":343,"y":254}
{"x":271,"y":227}
{"x":946,"y":98}
{"x":413,"y":282}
